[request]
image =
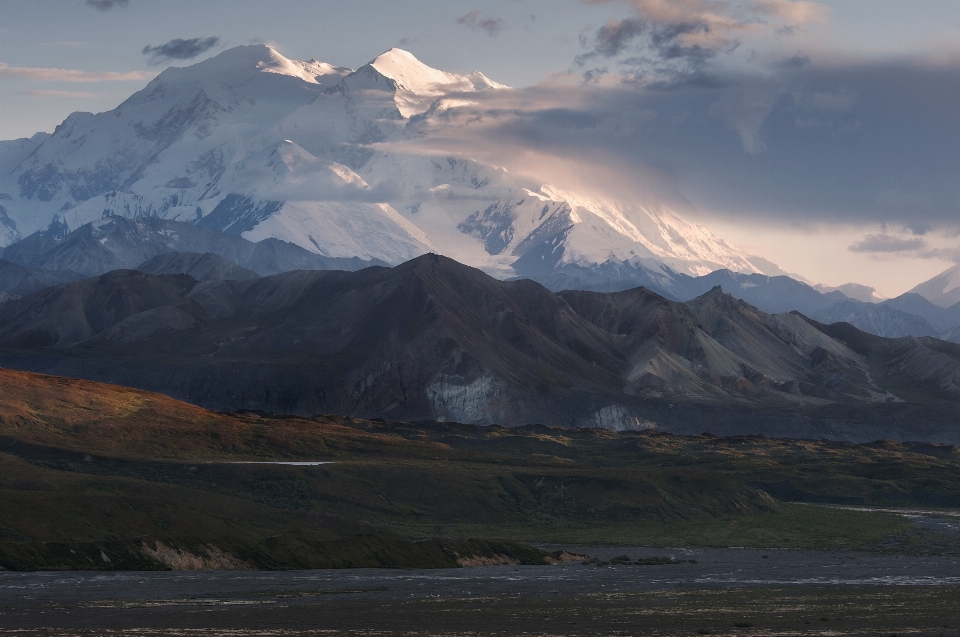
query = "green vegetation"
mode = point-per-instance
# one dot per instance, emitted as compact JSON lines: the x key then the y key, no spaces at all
{"x":788,"y":526}
{"x":94,"y":472}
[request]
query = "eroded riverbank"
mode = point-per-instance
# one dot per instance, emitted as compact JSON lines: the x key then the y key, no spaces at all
{"x":715,"y":591}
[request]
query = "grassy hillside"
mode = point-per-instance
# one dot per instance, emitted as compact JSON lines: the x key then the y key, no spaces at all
{"x":101,"y":476}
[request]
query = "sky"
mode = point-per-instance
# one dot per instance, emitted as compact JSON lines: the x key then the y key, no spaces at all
{"x":822,"y":136}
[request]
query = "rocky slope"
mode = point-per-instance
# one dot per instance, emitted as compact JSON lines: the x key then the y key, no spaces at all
{"x":118,"y":242}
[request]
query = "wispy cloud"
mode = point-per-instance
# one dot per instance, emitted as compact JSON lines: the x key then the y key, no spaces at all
{"x":180,"y":49}
{"x":55,"y":93}
{"x":885,"y":243}
{"x":106,"y":5}
{"x":71,"y":75}
{"x":476,"y":21}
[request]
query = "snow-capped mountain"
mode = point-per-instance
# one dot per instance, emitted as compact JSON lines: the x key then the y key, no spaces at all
{"x":253,"y":144}
{"x":943,"y":289}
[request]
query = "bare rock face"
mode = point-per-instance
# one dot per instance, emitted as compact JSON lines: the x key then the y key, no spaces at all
{"x":208,"y":558}
{"x":433,"y":339}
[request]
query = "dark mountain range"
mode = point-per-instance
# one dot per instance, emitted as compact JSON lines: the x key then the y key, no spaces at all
{"x":17,"y":280}
{"x":433,"y":339}
{"x":119,"y":243}
{"x":916,"y":369}
{"x":907,"y":315}
{"x":202,"y":267}
{"x":943,"y":318}
{"x":772,"y":294}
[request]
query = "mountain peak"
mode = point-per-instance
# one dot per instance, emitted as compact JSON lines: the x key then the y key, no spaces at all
{"x":411,"y":74}
{"x":245,"y":59}
{"x":408,"y":72}
{"x":395,"y":56}
{"x":943,"y":289}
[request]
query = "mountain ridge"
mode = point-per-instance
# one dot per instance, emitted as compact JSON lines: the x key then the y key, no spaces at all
{"x":124,"y":243}
{"x":118,"y":242}
{"x":435,"y":339}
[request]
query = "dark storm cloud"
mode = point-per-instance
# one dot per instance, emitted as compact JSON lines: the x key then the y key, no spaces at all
{"x":476,"y":21}
{"x":106,"y":5}
{"x":614,"y":37}
{"x":644,"y":49}
{"x":859,"y":143}
{"x":180,"y":49}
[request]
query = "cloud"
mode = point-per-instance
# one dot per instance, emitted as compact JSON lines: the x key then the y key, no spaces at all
{"x":106,"y":5}
{"x":787,"y":30}
{"x":475,"y":21}
{"x":885,"y":243}
{"x":945,"y":254}
{"x":180,"y":49}
{"x":849,"y":143}
{"x":613,"y":38}
{"x":841,"y":100}
{"x":55,"y":93}
{"x":665,"y":39}
{"x":71,"y":75}
{"x":744,"y":109}
{"x":797,"y":61}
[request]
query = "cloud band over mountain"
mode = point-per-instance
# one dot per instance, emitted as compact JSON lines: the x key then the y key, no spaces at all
{"x":856,"y":142}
